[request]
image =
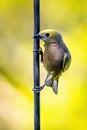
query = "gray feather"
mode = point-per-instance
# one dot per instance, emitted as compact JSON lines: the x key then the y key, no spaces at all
{"x":49,"y":80}
{"x":55,"y":86}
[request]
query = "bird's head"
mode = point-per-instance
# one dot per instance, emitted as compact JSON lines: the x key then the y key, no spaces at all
{"x":48,"y":35}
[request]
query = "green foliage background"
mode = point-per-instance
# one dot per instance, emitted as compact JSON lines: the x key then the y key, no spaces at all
{"x":67,"y":110}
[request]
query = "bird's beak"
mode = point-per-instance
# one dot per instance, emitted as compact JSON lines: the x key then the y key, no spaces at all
{"x":38,"y":36}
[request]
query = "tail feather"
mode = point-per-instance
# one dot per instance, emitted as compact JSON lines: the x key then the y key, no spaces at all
{"x":55,"y":86}
{"x":52,"y":83}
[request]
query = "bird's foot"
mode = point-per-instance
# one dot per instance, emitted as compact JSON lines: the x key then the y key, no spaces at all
{"x":37,"y":89}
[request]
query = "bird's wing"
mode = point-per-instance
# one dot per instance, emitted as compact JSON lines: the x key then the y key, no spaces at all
{"x":66,"y":61}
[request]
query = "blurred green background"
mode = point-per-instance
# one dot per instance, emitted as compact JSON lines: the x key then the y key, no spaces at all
{"x":68,"y":109}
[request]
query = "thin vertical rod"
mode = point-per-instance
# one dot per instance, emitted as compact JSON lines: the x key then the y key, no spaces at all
{"x":36,"y":65}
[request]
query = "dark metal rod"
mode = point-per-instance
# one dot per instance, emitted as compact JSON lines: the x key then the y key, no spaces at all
{"x":36,"y":65}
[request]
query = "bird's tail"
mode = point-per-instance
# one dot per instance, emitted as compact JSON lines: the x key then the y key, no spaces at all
{"x":53,"y":83}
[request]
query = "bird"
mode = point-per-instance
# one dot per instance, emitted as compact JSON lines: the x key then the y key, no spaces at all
{"x":56,"y":58}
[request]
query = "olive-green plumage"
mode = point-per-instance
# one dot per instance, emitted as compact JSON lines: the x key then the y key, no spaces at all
{"x":57,"y":57}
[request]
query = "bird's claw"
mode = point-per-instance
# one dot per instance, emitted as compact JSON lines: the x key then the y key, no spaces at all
{"x":37,"y":89}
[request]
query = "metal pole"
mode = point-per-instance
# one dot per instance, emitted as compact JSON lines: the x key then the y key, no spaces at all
{"x":36,"y":65}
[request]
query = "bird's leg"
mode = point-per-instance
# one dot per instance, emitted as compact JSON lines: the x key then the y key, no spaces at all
{"x":39,"y":88}
{"x":40,"y":53}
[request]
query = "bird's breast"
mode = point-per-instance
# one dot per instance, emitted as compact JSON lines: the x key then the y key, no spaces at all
{"x":53,"y":56}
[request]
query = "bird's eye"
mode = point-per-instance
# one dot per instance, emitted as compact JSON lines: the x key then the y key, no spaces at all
{"x":47,"y":34}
